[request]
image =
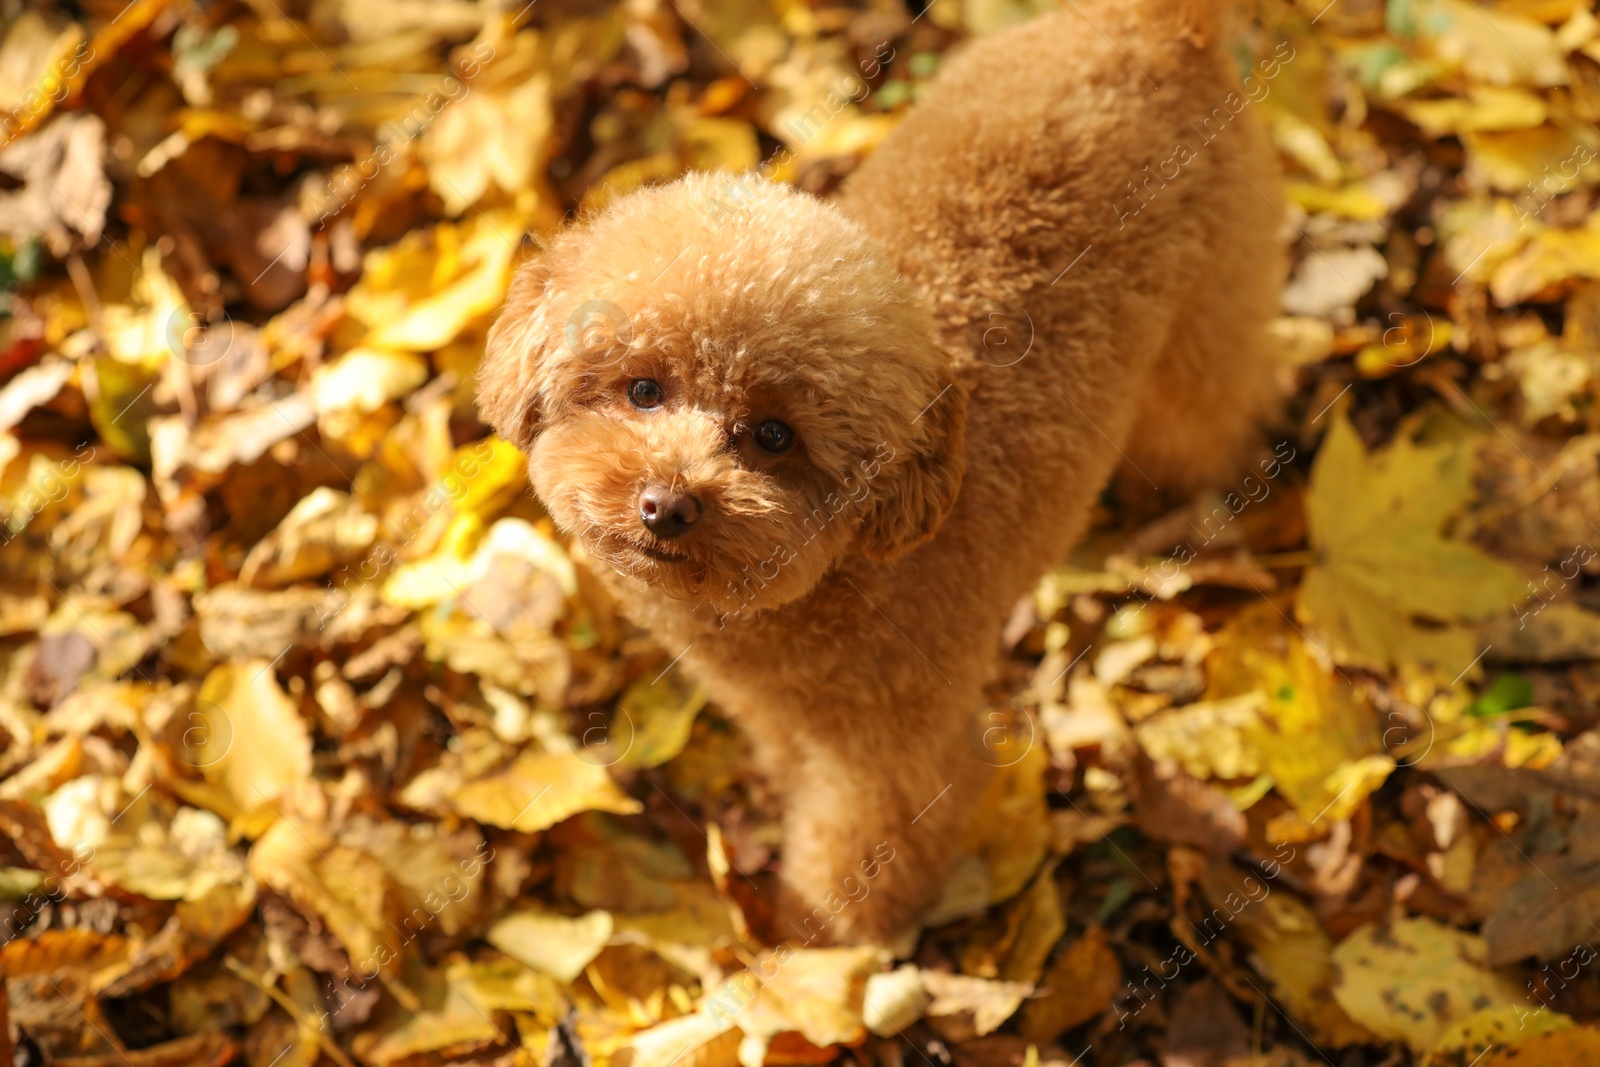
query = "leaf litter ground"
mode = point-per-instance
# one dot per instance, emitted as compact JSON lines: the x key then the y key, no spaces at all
{"x":318,"y":744}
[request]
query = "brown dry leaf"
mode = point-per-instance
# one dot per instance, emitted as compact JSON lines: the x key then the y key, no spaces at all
{"x":1079,"y":986}
{"x":1206,"y":1029}
{"x":52,"y":951}
{"x":196,"y":1050}
{"x":1177,"y":808}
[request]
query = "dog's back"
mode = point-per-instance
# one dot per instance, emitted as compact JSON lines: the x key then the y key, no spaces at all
{"x":1094,"y":182}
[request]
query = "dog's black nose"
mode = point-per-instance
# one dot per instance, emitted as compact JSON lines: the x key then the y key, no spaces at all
{"x":667,"y":513}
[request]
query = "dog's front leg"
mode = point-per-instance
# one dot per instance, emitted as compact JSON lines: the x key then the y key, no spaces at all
{"x":871,"y":824}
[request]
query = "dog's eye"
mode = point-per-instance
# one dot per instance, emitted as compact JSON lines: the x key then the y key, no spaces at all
{"x":774,"y":437}
{"x":645,"y":393}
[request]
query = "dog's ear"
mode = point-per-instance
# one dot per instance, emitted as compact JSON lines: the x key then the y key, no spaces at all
{"x":916,"y":490}
{"x":509,"y":373}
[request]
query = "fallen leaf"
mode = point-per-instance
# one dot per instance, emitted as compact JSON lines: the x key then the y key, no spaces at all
{"x":1078,"y":986}
{"x":539,"y":789}
{"x":1377,"y":522}
{"x":1412,"y":981}
{"x":553,"y":944}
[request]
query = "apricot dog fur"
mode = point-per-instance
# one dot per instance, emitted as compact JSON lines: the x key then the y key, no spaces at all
{"x":843,"y":600}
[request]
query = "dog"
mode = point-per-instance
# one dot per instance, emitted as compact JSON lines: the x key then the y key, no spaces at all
{"x":789,"y":433}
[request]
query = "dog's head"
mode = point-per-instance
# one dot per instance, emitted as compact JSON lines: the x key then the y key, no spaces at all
{"x":724,"y":388}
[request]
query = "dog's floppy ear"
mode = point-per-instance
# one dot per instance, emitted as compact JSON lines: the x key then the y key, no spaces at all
{"x":509,"y":373}
{"x":916,"y":489}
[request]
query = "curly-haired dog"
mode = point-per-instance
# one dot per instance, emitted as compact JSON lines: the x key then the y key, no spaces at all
{"x":807,"y":466}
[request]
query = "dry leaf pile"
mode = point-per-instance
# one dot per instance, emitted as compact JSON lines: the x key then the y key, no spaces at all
{"x":318,"y":745}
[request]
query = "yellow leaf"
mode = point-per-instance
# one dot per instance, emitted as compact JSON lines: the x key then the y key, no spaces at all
{"x":420,"y":292}
{"x":245,"y":735}
{"x":1485,"y":108}
{"x":508,"y":985}
{"x":1550,"y":259}
{"x":699,"y":1039}
{"x":1376,"y":525}
{"x":324,"y":529}
{"x":346,"y":890}
{"x":894,"y":1000}
{"x":1208,"y":739}
{"x":815,"y":992}
{"x":1034,"y":924}
{"x":1414,"y":980}
{"x":1011,"y":831}
{"x":720,"y":144}
{"x":1493,"y":1028}
{"x":1351,"y":202}
{"x":988,"y":1004}
{"x":365,"y":379}
{"x":1496,"y":48}
{"x":653,"y":720}
{"x":488,"y":140}
{"x":539,"y":789}
{"x":1315,"y":734}
{"x":557,"y":945}
{"x":1535,"y":164}
{"x":445,"y":1017}
{"x":1296,"y":955}
{"x":1578,"y":1047}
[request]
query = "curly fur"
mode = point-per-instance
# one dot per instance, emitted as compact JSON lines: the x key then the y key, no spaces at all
{"x":844,"y":601}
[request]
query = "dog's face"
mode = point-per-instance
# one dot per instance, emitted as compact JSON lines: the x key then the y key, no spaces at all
{"x":723,"y":388}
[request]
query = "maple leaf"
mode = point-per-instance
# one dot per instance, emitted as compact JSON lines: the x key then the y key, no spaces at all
{"x":1383,"y":562}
